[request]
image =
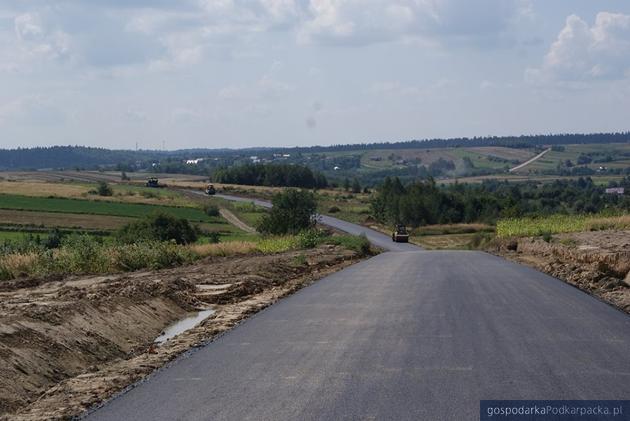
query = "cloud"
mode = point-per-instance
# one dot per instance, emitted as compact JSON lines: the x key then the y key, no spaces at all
{"x":31,"y":110}
{"x":362,"y":22}
{"x":265,"y":89}
{"x":581,"y":53}
{"x":37,"y":40}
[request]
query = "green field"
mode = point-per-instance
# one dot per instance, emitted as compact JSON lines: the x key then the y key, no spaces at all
{"x":619,"y":152}
{"x":556,"y":224}
{"x":52,"y":204}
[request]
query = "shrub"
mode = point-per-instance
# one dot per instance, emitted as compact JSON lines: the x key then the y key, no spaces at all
{"x":54,"y":239}
{"x":103,"y":189}
{"x":358,"y":243}
{"x":293,"y":211}
{"x":310,"y":238}
{"x":211,"y":210}
{"x":159,"y":226}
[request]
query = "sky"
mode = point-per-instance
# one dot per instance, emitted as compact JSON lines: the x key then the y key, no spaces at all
{"x":237,"y":73}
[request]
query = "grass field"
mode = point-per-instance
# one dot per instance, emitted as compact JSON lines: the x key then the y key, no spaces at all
{"x":75,"y":206}
{"x":75,"y":190}
{"x":571,"y":152}
{"x":65,"y":220}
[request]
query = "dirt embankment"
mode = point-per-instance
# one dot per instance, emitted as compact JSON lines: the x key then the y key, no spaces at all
{"x":596,"y":262}
{"x":69,"y":344}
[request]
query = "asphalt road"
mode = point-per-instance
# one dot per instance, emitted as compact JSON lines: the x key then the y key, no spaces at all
{"x":378,"y":239}
{"x":411,"y":335}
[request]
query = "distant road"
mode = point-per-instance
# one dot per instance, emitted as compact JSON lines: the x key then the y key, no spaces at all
{"x":378,"y":239}
{"x":526,"y":163}
{"x":406,"y":335}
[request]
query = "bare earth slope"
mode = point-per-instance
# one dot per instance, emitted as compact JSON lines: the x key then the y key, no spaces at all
{"x":597,"y":262}
{"x":78,"y":340}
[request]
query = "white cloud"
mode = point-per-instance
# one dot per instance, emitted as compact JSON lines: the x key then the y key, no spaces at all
{"x":36,"y":40}
{"x":116,"y":36}
{"x":369,"y":21}
{"x":582,"y":53}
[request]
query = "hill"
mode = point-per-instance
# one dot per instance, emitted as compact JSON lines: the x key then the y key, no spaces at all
{"x":565,"y":155}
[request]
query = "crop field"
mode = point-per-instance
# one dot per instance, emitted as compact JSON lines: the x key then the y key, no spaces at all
{"x":74,"y":190}
{"x":62,"y":220}
{"x":54,"y":204}
{"x":556,"y":224}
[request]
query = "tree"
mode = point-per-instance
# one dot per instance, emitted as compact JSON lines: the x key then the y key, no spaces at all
{"x":103,"y":189}
{"x":346,"y":184}
{"x":356,"y":187}
{"x":159,"y":226}
{"x":293,"y":211}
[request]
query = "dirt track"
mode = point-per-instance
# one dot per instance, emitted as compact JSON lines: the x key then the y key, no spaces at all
{"x":71,"y":343}
{"x":233,"y":219}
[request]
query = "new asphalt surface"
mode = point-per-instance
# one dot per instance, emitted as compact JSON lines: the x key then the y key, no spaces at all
{"x":406,"y":335}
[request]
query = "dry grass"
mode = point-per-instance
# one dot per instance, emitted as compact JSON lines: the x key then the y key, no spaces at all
{"x":40,"y":188}
{"x":15,"y":265}
{"x":231,"y":248}
{"x":444,"y":242}
{"x":614,"y":222}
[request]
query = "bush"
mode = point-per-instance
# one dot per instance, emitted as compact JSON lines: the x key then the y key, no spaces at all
{"x":310,"y":239}
{"x":293,"y":211}
{"x":334,"y":209}
{"x":103,"y":189}
{"x":54,"y":239}
{"x":159,"y":226}
{"x":211,"y":210}
{"x":358,"y":243}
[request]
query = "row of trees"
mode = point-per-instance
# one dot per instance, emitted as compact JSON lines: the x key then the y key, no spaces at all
{"x":425,"y":203}
{"x":275,"y":175}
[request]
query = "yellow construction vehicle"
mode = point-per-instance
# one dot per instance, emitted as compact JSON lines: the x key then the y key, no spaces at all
{"x":400,"y":234}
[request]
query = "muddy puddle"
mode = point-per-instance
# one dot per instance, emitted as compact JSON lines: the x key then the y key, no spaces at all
{"x":183,"y":325}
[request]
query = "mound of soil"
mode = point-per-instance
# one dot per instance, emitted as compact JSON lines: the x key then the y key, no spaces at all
{"x":68,"y":344}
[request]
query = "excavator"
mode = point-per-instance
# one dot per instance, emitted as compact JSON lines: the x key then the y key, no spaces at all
{"x":400,"y":234}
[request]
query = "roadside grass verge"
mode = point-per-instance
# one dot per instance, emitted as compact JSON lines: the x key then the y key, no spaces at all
{"x":85,"y":254}
{"x":556,"y":224}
